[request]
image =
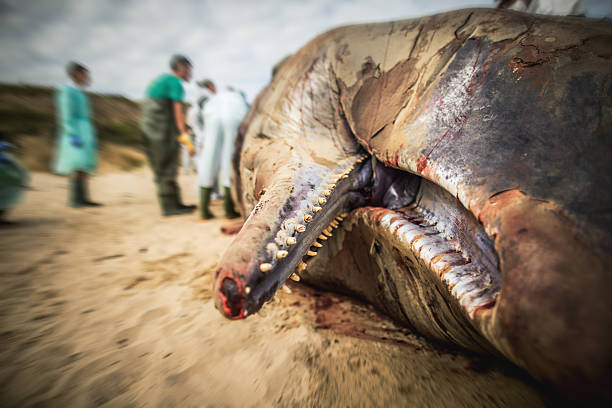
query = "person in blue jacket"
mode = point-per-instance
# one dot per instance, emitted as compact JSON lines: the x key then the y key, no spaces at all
{"x":14,"y":180}
{"x":77,"y":146}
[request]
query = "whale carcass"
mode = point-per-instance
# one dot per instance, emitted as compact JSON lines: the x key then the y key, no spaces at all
{"x":454,"y":170}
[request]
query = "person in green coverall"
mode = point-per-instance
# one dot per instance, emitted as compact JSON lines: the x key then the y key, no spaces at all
{"x":164,"y":127}
{"x":77,"y":146}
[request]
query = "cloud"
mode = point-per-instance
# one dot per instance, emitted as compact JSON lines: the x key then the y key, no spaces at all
{"x":127,"y":43}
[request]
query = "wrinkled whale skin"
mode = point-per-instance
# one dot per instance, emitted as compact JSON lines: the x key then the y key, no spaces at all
{"x":504,"y":116}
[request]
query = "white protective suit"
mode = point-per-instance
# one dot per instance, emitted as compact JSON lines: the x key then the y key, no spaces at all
{"x":552,"y":7}
{"x":193,"y":119}
{"x":223,"y":113}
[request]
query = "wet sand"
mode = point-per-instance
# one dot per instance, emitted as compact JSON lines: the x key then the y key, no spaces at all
{"x":112,"y":307}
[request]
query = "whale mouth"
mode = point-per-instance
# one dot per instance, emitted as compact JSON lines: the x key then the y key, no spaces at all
{"x":426,"y":224}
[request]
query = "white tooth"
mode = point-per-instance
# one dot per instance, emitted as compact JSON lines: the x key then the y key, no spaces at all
{"x":301,"y":266}
{"x":326,"y":193}
{"x":311,"y":253}
{"x":307,"y":217}
{"x":265,"y":267}
{"x":316,"y":244}
{"x":300,"y":228}
{"x":323,"y":237}
{"x":281,"y":254}
{"x":295,"y":277}
{"x":247,"y":290}
{"x":322,"y":201}
{"x":316,"y":209}
{"x":291,"y":241}
{"x":286,"y":289}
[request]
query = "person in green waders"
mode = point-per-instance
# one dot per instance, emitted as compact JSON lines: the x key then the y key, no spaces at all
{"x":76,"y":146}
{"x":164,"y":127}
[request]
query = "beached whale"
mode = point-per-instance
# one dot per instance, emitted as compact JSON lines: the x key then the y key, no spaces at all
{"x":454,"y":170}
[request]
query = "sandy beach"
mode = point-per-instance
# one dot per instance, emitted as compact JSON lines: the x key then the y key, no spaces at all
{"x":112,"y":306}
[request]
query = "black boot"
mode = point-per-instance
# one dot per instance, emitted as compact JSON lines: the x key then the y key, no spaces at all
{"x":169,"y":206}
{"x":179,"y":202}
{"x":205,"y":213}
{"x":75,"y":193}
{"x":228,"y":204}
{"x":85,"y":195}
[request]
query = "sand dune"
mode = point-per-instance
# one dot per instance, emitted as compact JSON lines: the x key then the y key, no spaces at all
{"x":112,"y":307}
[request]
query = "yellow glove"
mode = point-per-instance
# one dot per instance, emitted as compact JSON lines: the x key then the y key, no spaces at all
{"x":185,"y":140}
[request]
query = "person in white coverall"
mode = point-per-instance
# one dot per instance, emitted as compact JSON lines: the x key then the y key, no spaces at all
{"x":196,"y":121}
{"x":223,"y":113}
{"x":547,"y":7}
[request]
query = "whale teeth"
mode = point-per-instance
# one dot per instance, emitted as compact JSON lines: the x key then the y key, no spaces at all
{"x":326,"y":232}
{"x":316,"y":209}
{"x":339,"y":218}
{"x":316,"y":244}
{"x":281,"y":254}
{"x":247,"y":290}
{"x":323,"y":237}
{"x":300,"y":228}
{"x":265,"y":267}
{"x":295,"y":277}
{"x":311,"y":253}
{"x":334,"y":224}
{"x":301,"y":266}
{"x":331,"y":186}
{"x":307,"y":217}
{"x":326,"y":193}
{"x":286,"y":289}
{"x":246,"y":313}
{"x":344,"y":215}
{"x":291,"y":241}
{"x":322,"y":200}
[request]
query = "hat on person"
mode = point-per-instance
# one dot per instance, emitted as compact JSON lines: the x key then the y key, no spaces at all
{"x":178,"y":59}
{"x":72,"y":67}
{"x":205,"y":83}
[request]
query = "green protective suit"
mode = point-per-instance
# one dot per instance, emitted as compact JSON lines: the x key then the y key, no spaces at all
{"x":160,"y":133}
{"x":76,"y":144}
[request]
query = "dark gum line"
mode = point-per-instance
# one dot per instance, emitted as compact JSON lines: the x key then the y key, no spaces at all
{"x":284,"y":268}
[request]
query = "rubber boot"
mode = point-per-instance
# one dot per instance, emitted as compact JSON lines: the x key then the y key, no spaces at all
{"x":168,"y":204}
{"x":85,"y":194}
{"x":205,"y":213}
{"x":228,"y":204}
{"x":179,"y":202}
{"x":75,"y":193}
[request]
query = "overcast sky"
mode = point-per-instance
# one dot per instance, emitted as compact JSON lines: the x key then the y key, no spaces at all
{"x":126,"y":43}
